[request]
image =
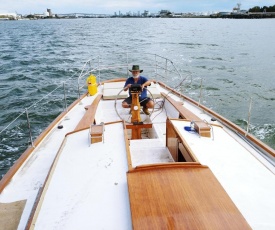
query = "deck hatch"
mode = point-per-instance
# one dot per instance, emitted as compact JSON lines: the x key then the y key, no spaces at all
{"x":181,"y":198}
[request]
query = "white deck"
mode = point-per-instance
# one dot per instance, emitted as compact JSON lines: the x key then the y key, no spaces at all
{"x":88,"y":189}
{"x":31,"y":176}
{"x":250,"y":185}
{"x":149,"y":151}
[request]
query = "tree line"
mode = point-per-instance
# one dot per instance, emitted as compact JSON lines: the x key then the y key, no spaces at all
{"x":262,"y":9}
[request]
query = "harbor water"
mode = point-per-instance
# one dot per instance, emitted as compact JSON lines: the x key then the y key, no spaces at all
{"x":228,"y":65}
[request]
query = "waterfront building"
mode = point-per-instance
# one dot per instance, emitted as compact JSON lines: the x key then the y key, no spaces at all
{"x":50,"y":12}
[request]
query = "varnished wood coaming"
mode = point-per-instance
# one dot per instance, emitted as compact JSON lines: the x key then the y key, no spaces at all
{"x":201,"y":127}
{"x":184,"y":113}
{"x":180,"y":196}
{"x":225,"y":121}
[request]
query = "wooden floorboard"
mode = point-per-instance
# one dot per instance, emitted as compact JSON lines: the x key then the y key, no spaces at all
{"x":181,"y":198}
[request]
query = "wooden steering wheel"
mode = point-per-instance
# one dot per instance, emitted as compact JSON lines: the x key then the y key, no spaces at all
{"x":135,"y":109}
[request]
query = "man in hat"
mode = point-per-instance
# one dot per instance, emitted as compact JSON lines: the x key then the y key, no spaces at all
{"x":145,"y":101}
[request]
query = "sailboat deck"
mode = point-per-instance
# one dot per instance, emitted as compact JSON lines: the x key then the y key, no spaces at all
{"x":81,"y":187}
{"x":250,"y":185}
{"x":88,"y":183}
{"x":152,"y":151}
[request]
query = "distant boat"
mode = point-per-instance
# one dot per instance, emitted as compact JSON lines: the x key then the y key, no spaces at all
{"x":97,"y":166}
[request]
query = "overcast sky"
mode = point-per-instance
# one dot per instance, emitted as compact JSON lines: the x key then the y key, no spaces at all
{"x":111,"y":6}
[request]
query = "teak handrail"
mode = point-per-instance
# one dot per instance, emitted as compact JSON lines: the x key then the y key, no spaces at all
{"x":89,"y":116}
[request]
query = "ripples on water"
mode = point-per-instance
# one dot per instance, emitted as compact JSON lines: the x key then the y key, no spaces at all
{"x":235,"y":59}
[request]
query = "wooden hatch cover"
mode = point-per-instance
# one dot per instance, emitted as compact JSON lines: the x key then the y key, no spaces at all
{"x":180,"y":197}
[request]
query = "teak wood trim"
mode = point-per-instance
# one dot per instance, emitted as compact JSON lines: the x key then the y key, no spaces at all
{"x":89,"y":115}
{"x":166,"y":165}
{"x":188,"y":149}
{"x":184,"y":113}
{"x":141,"y":126}
{"x":172,"y":140}
{"x":127,"y":146}
{"x":79,"y":130}
{"x":30,"y":219}
{"x":37,"y":206}
{"x":225,"y":121}
{"x":201,"y":127}
{"x":7,"y":177}
{"x":173,"y":132}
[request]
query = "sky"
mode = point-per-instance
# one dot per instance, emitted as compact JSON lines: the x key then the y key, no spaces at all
{"x":124,"y":6}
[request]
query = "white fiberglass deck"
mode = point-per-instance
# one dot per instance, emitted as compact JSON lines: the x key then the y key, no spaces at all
{"x":149,"y":151}
{"x":250,"y":185}
{"x":31,"y":176}
{"x":88,"y":188}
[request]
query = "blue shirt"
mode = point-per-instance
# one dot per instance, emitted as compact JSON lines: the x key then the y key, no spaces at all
{"x":141,"y":80}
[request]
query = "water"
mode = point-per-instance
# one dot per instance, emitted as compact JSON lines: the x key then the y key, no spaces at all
{"x":234,"y":58}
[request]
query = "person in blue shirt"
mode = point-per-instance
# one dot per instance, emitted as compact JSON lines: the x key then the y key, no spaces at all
{"x":136,"y":78}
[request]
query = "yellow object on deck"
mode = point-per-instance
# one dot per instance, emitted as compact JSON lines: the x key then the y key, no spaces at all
{"x":92,"y":86}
